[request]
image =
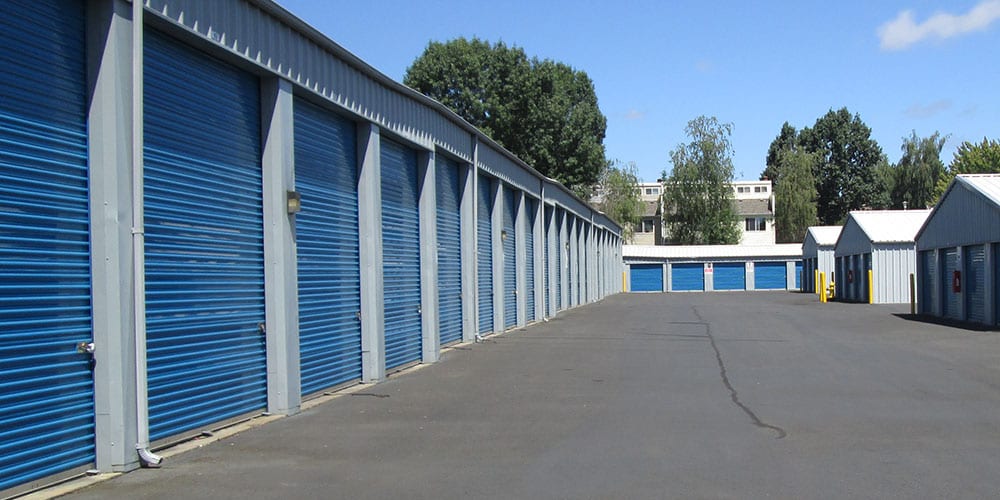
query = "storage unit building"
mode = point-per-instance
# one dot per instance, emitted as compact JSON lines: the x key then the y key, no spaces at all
{"x":250,"y":216}
{"x":817,"y":255}
{"x":712,"y":267}
{"x":880,"y":241}
{"x":958,"y":248}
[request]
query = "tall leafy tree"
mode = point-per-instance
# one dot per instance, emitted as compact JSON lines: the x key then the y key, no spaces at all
{"x":795,"y":196}
{"x":846,"y":168}
{"x":543,"y":111}
{"x":698,"y":198}
{"x":785,"y":141}
{"x":971,"y":158}
{"x":915,"y":177}
{"x":619,"y":196}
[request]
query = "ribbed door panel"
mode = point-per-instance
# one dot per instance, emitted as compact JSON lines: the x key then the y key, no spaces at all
{"x":730,"y":276}
{"x":866,"y":265}
{"x":928,"y":282}
{"x":798,"y":275}
{"x":995,"y":261}
{"x":975,"y":283}
{"x":46,"y":387}
{"x":560,"y":259}
{"x":950,"y":303}
{"x":509,"y":258}
{"x":449,"y":242}
{"x":769,"y":276}
{"x":401,"y":254}
{"x":549,"y":234}
{"x":688,"y":277}
{"x":204,"y":239}
{"x":326,"y":233}
{"x":484,"y":254}
{"x":529,"y":248}
{"x":646,"y":277}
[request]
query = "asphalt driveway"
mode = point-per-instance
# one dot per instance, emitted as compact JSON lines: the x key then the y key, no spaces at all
{"x":719,"y":395}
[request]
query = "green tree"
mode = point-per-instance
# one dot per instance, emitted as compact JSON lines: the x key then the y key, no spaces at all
{"x":846,"y":168}
{"x":544,"y":112}
{"x":795,"y":196}
{"x":698,"y":198}
{"x":982,"y":158}
{"x":786,"y":140}
{"x":915,"y":177}
{"x":619,"y":196}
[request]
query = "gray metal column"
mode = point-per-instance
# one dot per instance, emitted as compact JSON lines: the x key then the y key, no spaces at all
{"x":470,"y":312}
{"x":539,"y":236}
{"x":668,"y":278}
{"x":498,"y":282}
{"x":574,"y":262}
{"x":553,"y":245}
{"x":521,"y":260}
{"x":563,"y":247}
{"x":370,"y":237}
{"x":790,"y":275}
{"x":281,"y":298}
{"x":430,"y":341}
{"x":110,"y":129}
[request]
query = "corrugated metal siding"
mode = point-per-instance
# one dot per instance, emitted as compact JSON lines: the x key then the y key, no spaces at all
{"x":891,"y":268}
{"x":646,"y":277}
{"x":853,"y":240}
{"x":326,"y":236}
{"x":530,"y":206}
{"x":401,"y":254}
{"x":950,"y":224}
{"x":687,"y":277}
{"x":975,"y":283}
{"x":549,"y":234}
{"x":449,"y":243}
{"x":204,"y":239}
{"x":950,"y":304}
{"x":47,"y":408}
{"x":484,"y":253}
{"x":928,"y":284}
{"x":261,"y":38}
{"x":511,"y":173}
{"x":561,"y":260}
{"x":996,"y":282}
{"x":729,"y":276}
{"x":509,"y":257}
{"x":769,"y":276}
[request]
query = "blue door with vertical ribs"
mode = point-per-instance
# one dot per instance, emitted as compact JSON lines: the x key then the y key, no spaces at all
{"x":484,"y":253}
{"x":326,"y":235}
{"x":449,"y":243}
{"x":975,"y":283}
{"x":687,"y":277}
{"x":769,"y":276}
{"x":46,"y":386}
{"x":950,"y":303}
{"x":928,"y":283}
{"x":729,"y":276}
{"x":549,"y":234}
{"x":401,"y":254}
{"x":646,"y":277}
{"x":560,"y":247}
{"x":509,"y":240}
{"x":204,"y":239}
{"x":798,"y":275}
{"x":530,"y":206}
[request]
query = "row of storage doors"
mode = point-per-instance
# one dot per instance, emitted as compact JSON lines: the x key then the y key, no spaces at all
{"x":955,"y":279}
{"x":691,"y":277}
{"x":204,"y":244}
{"x":852,"y":285}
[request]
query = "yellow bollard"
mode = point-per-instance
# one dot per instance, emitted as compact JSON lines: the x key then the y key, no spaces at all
{"x":913,"y":294}
{"x":816,"y":281}
{"x":624,"y":282}
{"x":822,"y":287}
{"x":871,"y":288}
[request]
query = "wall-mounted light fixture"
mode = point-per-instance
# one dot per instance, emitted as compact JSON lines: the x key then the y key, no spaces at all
{"x":294,"y":202}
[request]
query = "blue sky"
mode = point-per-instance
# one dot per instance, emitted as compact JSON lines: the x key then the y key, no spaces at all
{"x":902,"y":65}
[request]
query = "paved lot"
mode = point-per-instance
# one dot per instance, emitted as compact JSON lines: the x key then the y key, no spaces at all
{"x":737,"y":395}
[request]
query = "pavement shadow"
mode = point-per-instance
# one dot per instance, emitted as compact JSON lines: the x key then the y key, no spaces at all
{"x":935,"y":320}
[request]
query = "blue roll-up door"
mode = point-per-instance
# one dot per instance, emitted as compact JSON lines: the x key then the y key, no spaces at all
{"x":646,"y":277}
{"x":548,"y":244}
{"x":928,"y":282}
{"x":730,"y":276}
{"x":509,"y":240}
{"x":560,"y":260}
{"x":853,"y":277}
{"x":484,"y":254}
{"x":46,"y":387}
{"x":866,"y":265}
{"x":975,"y":283}
{"x":996,"y":282}
{"x":950,"y":303}
{"x":687,"y":277}
{"x":401,"y":254}
{"x":449,"y":243}
{"x":326,"y":235}
{"x":769,"y":276}
{"x":204,"y":239}
{"x":798,"y":274}
{"x":529,"y":248}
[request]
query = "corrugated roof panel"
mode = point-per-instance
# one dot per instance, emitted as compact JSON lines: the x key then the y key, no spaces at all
{"x":987,"y":184}
{"x":890,"y":226}
{"x":824,"y":235}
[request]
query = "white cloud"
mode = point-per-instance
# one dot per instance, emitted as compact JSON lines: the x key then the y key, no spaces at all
{"x":634,"y":114}
{"x":903,"y":32}
{"x":922,"y":111}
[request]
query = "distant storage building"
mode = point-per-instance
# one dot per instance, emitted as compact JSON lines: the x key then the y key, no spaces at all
{"x":959,"y":250}
{"x":817,"y":254}
{"x":210,"y":210}
{"x":702,"y":268}
{"x":881,"y":241}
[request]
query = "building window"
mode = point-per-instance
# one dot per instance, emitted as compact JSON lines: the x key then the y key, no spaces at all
{"x":647,"y":226}
{"x":649,"y":190}
{"x":760,"y":189}
{"x":742,"y":189}
{"x":756,"y":224}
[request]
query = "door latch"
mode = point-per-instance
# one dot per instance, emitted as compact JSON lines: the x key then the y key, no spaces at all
{"x":85,"y":348}
{"x":262,"y":328}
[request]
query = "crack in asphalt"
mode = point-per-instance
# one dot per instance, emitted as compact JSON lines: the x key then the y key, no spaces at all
{"x":733,"y":395}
